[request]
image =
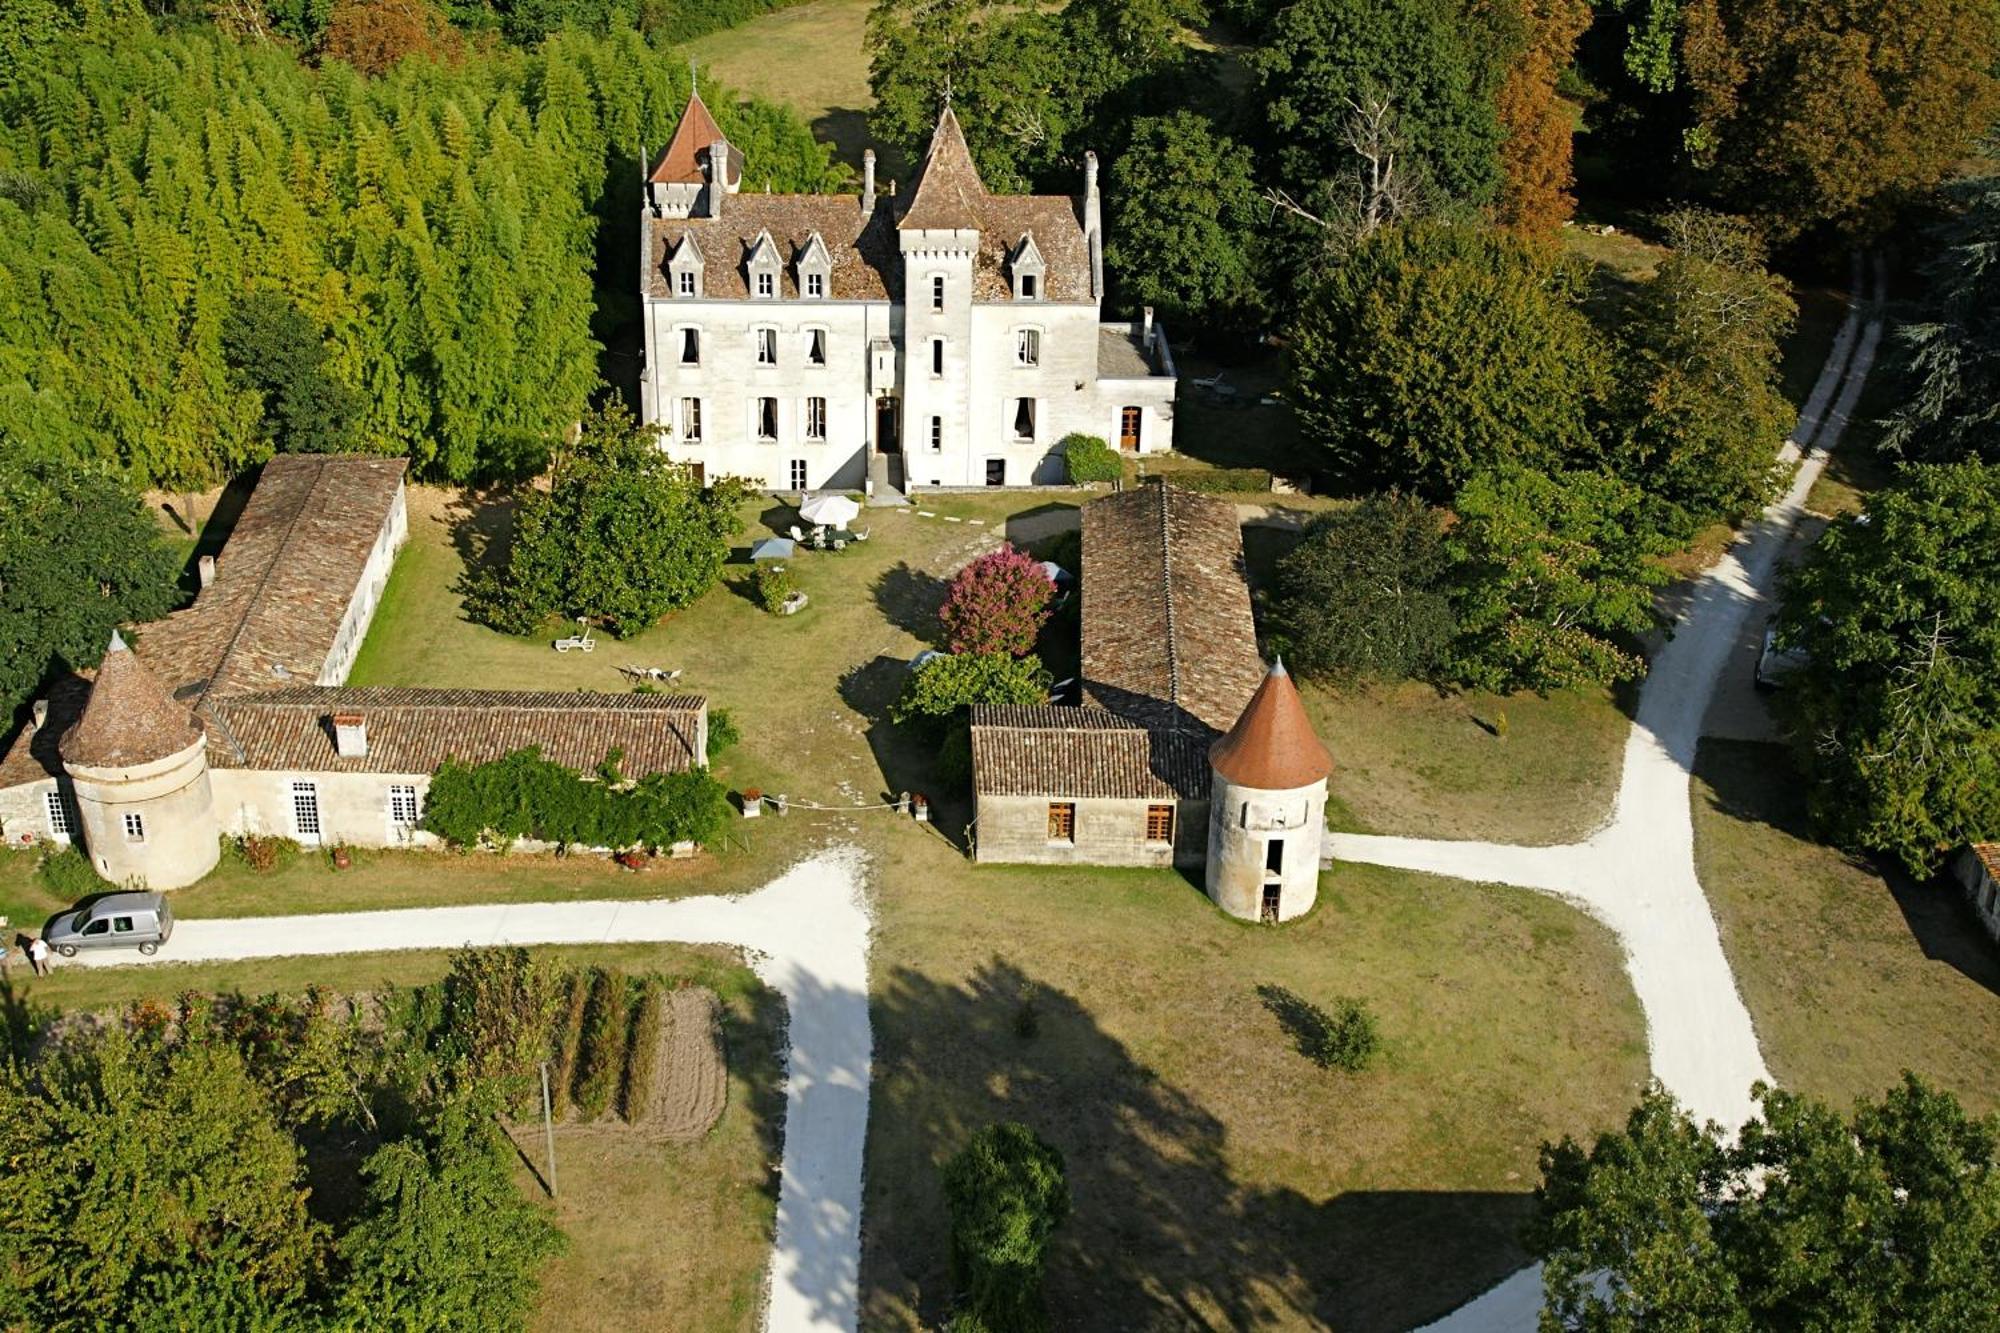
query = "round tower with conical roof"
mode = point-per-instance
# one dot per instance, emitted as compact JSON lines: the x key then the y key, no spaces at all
{"x":138,"y":763}
{"x":1267,"y":807}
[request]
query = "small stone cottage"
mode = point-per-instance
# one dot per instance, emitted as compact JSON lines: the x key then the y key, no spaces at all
{"x":1976,"y":868}
{"x":231,"y":716}
{"x":1185,"y":750}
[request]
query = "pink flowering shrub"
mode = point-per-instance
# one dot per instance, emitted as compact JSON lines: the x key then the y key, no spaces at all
{"x":997,"y":604}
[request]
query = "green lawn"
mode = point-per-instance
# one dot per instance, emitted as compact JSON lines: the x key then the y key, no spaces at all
{"x":810,"y":57}
{"x":1220,"y":1180}
{"x":1851,"y":975}
{"x":629,"y":1205}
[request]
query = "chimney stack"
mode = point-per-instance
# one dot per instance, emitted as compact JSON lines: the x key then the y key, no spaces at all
{"x":205,"y":567}
{"x":350,"y":735}
{"x":1093,"y":225}
{"x":867,"y":182}
{"x":41,"y":713}
{"x":718,"y":176}
{"x":1147,"y":329}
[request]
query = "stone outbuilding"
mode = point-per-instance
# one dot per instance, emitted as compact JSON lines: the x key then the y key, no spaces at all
{"x":1185,"y":751}
{"x":232,"y":716}
{"x":1976,"y":869}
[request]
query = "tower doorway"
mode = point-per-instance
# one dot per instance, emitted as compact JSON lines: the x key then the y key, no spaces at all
{"x":1269,"y":915}
{"x":888,"y":428}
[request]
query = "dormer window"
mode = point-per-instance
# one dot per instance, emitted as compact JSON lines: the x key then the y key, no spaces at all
{"x":1027,"y":269}
{"x":767,"y":286}
{"x":763,"y":266}
{"x":684,"y":266}
{"x":815,"y":286}
{"x":814,"y":265}
{"x":686,"y":283}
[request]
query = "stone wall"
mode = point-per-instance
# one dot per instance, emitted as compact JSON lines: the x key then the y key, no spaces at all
{"x":1981,"y":892}
{"x":175,"y":842}
{"x":24,"y":813}
{"x":353,"y":807}
{"x":1014,"y":830}
{"x":1243,"y":825}
{"x":367,"y":594}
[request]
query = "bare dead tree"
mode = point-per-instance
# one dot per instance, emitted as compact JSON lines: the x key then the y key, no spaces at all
{"x":1381,"y":188}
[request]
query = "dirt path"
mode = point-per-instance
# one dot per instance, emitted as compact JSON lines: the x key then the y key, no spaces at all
{"x":806,"y":934}
{"x":1637,"y":874}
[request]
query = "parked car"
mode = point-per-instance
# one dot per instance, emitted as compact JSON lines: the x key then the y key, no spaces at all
{"x":141,"y":921}
{"x":1774,"y":664}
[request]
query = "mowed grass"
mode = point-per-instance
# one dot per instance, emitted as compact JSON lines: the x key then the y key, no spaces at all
{"x":1851,"y":974}
{"x":653,"y":1227}
{"x":1219,"y":1178}
{"x":811,"y":57}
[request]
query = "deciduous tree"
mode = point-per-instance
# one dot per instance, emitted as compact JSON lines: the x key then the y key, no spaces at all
{"x":1898,"y":708}
{"x":1365,"y":594}
{"x":274,"y":349}
{"x":1008,"y":1192}
{"x":1433,"y":352}
{"x":1183,"y":224}
{"x":1810,"y":111}
{"x":1536,"y":124}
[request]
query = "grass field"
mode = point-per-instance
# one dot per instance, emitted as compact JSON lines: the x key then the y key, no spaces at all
{"x":1221,"y":1180}
{"x":811,"y":58}
{"x":633,"y":1209}
{"x":1851,"y":975}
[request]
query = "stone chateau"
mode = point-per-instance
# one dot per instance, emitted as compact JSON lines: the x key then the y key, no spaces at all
{"x":1185,"y":750}
{"x":231,"y":716}
{"x":944,"y":336}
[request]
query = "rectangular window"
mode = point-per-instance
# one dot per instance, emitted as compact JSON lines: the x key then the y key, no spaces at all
{"x":937,"y":293}
{"x":690,"y":347}
{"x":135,"y":826}
{"x":687,"y":283}
{"x":1062,"y":821}
{"x":767,"y":286}
{"x":937,"y":356}
{"x":816,"y":285}
{"x":403,"y":811}
{"x":815,"y":347}
{"x":1159,"y":823}
{"x":767,"y":347}
{"x":937,"y":436}
{"x":691,"y":420}
{"x":767,"y":418}
{"x":305,"y":811}
{"x":1027,"y":286}
{"x":59,"y":825}
{"x":996,"y":472}
{"x":1024,"y":418}
{"x":798,"y":474}
{"x":815,"y":418}
{"x":1028,"y":347}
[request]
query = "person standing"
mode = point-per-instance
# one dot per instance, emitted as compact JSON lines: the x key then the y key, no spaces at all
{"x":38,"y":955}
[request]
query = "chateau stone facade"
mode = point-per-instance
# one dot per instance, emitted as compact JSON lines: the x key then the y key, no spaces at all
{"x":1186,"y":752}
{"x":944,"y":337}
{"x":231,"y":716}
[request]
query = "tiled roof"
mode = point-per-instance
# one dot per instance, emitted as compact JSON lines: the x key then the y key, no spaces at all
{"x":1084,"y":753}
{"x":1273,"y":746}
{"x":34,"y":755}
{"x":1168,"y":637}
{"x":1989,"y":856}
{"x":414,"y":730}
{"x":131,"y":718}
{"x":948,"y":194}
{"x":283,"y":581}
{"x":687,"y":151}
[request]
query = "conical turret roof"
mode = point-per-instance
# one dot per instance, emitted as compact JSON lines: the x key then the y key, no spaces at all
{"x":131,"y":718}
{"x":682,"y":163}
{"x":949,"y":196}
{"x":1273,"y":746}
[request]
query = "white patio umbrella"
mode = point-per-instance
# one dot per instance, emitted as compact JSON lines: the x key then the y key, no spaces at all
{"x":832,"y":510}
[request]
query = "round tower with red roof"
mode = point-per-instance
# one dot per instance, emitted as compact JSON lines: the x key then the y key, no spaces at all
{"x":1267,"y":807}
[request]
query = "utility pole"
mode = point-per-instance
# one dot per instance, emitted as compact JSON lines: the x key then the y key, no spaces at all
{"x":549,"y":1128}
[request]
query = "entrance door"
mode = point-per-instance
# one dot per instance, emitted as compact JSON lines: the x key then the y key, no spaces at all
{"x":1129,"y":421}
{"x":888,"y":430}
{"x":1270,"y":913}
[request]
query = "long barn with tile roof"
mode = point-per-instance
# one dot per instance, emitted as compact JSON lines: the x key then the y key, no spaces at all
{"x":939,"y":336}
{"x":232,"y":716}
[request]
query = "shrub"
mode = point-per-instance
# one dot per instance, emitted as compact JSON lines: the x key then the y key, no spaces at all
{"x":722,"y":732}
{"x":1215,"y":480}
{"x":261,"y":852}
{"x":997,"y":604}
{"x":771,"y":585}
{"x":68,"y":875}
{"x":569,"y":1039}
{"x":1007,"y":1192}
{"x":527,"y":796}
{"x":1345,"y":1039}
{"x":1090,"y":459}
{"x":500,"y":1006}
{"x":601,"y":1061}
{"x":648,"y":1025}
{"x":945,"y":687}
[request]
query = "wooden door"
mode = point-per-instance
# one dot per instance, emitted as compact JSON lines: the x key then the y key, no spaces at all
{"x":1129,"y":419}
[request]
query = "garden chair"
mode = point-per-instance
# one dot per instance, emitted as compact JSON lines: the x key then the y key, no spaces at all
{"x":582,"y":640}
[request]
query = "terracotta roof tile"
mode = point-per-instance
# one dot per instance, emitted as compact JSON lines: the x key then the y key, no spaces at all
{"x":414,"y":730}
{"x":1273,"y":746}
{"x":1168,"y":636}
{"x":1084,"y":753}
{"x":36,"y":753}
{"x":1989,"y":856}
{"x":948,"y":194}
{"x":865,"y":263}
{"x":687,"y":151}
{"x":132,"y":717}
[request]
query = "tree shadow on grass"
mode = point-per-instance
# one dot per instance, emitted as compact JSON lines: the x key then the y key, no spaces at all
{"x":909,"y":598}
{"x":905,"y":755}
{"x":482,"y":526}
{"x":1162,"y":1234}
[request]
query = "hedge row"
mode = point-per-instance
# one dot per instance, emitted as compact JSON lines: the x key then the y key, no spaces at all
{"x":1216,"y":481}
{"x":601,"y":1062}
{"x":527,"y":796}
